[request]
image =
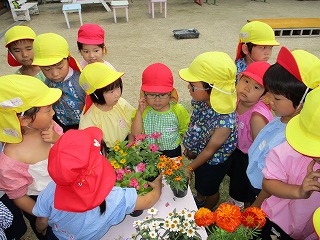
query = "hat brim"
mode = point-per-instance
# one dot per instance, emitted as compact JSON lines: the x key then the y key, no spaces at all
{"x":316,"y":221}
{"x":156,"y":89}
{"x":90,"y":41}
{"x":52,"y":96}
{"x":253,"y":76}
{"x":300,"y":140}
{"x":187,"y":76}
{"x":12,"y":61}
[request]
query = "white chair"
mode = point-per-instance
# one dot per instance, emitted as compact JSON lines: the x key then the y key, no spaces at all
{"x":151,"y":6}
{"x":25,"y":9}
{"x":120,"y":4}
{"x":71,"y":8}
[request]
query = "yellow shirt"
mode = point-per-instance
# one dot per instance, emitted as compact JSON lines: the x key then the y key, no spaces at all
{"x":115,"y":124}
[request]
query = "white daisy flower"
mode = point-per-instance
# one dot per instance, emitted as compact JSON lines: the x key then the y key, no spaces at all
{"x":152,"y":211}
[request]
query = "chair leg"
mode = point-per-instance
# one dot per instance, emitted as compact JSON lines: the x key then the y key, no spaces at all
{"x":80,"y":16}
{"x":114,"y":15}
{"x":67,"y":20}
{"x":127,"y":14}
{"x":152,"y":6}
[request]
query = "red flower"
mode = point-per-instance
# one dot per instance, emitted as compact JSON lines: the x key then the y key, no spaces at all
{"x":253,"y":217}
{"x":228,"y":217}
{"x":204,"y":217}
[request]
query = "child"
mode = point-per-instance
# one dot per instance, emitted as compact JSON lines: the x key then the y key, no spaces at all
{"x":212,"y":133}
{"x":292,"y":175}
{"x":252,"y":115}
{"x":28,"y":132}
{"x":82,"y":202}
{"x":91,"y":44}
{"x":105,"y":108}
{"x":287,"y":82}
{"x":51,"y":53}
{"x":256,"y":40}
{"x":158,"y":110}
{"x":19,"y":40}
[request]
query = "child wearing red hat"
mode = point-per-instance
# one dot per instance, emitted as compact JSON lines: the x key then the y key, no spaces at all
{"x":256,"y":40}
{"x":82,"y":202}
{"x":158,"y":110}
{"x":91,"y":44}
{"x":252,"y":116}
{"x":19,"y":40}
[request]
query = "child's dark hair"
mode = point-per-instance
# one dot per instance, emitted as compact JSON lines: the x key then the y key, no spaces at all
{"x":207,"y":85}
{"x":97,"y":95}
{"x":10,"y":45}
{"x":278,"y":80}
{"x":30,"y":113}
{"x":80,"y":45}
{"x":249,"y":46}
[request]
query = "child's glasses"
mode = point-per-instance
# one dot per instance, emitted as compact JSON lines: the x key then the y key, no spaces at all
{"x":194,"y":88}
{"x":160,"y":95}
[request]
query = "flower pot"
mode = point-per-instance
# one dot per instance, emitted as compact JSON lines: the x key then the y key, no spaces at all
{"x":180,"y":193}
{"x":136,"y":213}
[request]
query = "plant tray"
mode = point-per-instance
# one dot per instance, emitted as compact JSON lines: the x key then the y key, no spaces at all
{"x":186,"y":33}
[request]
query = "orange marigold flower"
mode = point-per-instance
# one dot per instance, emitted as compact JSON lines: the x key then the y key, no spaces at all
{"x":177,"y":178}
{"x":162,"y":157}
{"x":179,"y":158}
{"x":228,"y":217}
{"x":161,"y":165}
{"x":169,"y":172}
{"x":253,"y":217}
{"x":175,"y":167}
{"x":204,"y":217}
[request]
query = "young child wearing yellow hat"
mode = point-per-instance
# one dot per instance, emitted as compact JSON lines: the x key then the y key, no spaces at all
{"x":28,"y":132}
{"x":256,"y":40}
{"x":19,"y":41}
{"x":51,"y":53}
{"x":291,"y":176}
{"x":288,"y":81}
{"x":158,"y":110}
{"x":212,"y":133}
{"x":91,"y":44}
{"x":82,"y":202}
{"x":105,"y":108}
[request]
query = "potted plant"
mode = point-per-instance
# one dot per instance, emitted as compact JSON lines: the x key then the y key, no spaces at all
{"x":228,"y":222}
{"x":174,"y":174}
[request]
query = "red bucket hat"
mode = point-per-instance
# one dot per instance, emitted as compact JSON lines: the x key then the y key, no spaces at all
{"x":90,"y":34}
{"x":83,"y":176}
{"x":256,"y":70}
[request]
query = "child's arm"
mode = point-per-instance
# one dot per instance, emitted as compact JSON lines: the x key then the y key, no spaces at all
{"x":136,"y":126}
{"x":257,"y":122}
{"x":260,"y":198}
{"x":217,"y":139}
{"x":290,"y":191}
{"x":42,"y":224}
{"x":25,"y":203}
{"x":148,"y":200}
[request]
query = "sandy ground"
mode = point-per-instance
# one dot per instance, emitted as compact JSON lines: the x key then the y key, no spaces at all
{"x":133,"y":45}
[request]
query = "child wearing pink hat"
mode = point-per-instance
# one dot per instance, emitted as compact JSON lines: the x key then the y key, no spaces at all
{"x":82,"y":202}
{"x":256,"y":40}
{"x":291,"y":176}
{"x":19,"y":41}
{"x":252,"y":115}
{"x":91,"y":44}
{"x":159,"y":111}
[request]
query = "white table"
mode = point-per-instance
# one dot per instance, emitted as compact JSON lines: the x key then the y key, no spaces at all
{"x":167,"y":203}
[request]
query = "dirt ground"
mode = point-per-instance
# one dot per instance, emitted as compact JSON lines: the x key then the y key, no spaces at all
{"x":133,"y":45}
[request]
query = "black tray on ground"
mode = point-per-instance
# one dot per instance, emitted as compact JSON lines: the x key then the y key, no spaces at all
{"x":186,"y":33}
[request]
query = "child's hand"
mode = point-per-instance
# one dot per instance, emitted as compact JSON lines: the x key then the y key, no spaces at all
{"x":157,"y":183}
{"x":49,"y":135}
{"x":142,"y":105}
{"x":310,"y":182}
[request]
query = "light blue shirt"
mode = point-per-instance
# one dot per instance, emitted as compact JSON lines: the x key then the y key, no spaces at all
{"x":269,"y":137}
{"x":89,"y":224}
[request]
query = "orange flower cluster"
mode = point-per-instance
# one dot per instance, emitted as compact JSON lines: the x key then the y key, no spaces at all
{"x":229,"y":217}
{"x":169,"y":165}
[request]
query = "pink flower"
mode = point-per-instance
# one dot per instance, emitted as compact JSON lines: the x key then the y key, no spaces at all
{"x":127,"y":170}
{"x":131,"y":144}
{"x":119,"y":173}
{"x":140,"y":137}
{"x":134,"y":183}
{"x":154,"y":147}
{"x":141,"y":167}
{"x":145,"y":185}
{"x":156,"y":135}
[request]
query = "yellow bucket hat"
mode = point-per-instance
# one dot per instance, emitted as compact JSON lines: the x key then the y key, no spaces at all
{"x":95,"y":76}
{"x":258,"y":33}
{"x":219,"y":70}
{"x":14,"y":34}
{"x":50,"y":49}
{"x":301,"y":64}
{"x":316,"y":221}
{"x":303,"y":130}
{"x":18,"y":94}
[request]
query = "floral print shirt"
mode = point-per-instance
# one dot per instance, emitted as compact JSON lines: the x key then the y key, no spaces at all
{"x":203,"y":122}
{"x":241,"y":66}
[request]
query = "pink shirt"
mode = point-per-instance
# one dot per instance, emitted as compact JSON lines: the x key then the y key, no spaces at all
{"x":244,"y":128}
{"x":294,"y":216}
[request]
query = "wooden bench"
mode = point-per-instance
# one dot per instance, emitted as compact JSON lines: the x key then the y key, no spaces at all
{"x":22,"y":9}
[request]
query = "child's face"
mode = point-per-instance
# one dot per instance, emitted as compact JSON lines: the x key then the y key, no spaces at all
{"x":158,"y":101}
{"x":43,"y":119}
{"x":92,"y":53}
{"x":22,"y":50}
{"x":56,"y":72}
{"x":261,"y":53}
{"x":198,"y":92}
{"x":112,"y":97}
{"x":282,"y":106}
{"x":248,"y":90}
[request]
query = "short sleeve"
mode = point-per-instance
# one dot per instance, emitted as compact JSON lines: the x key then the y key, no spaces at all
{"x":274,"y":168}
{"x":226,"y":121}
{"x":44,"y":202}
{"x":183,"y":117}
